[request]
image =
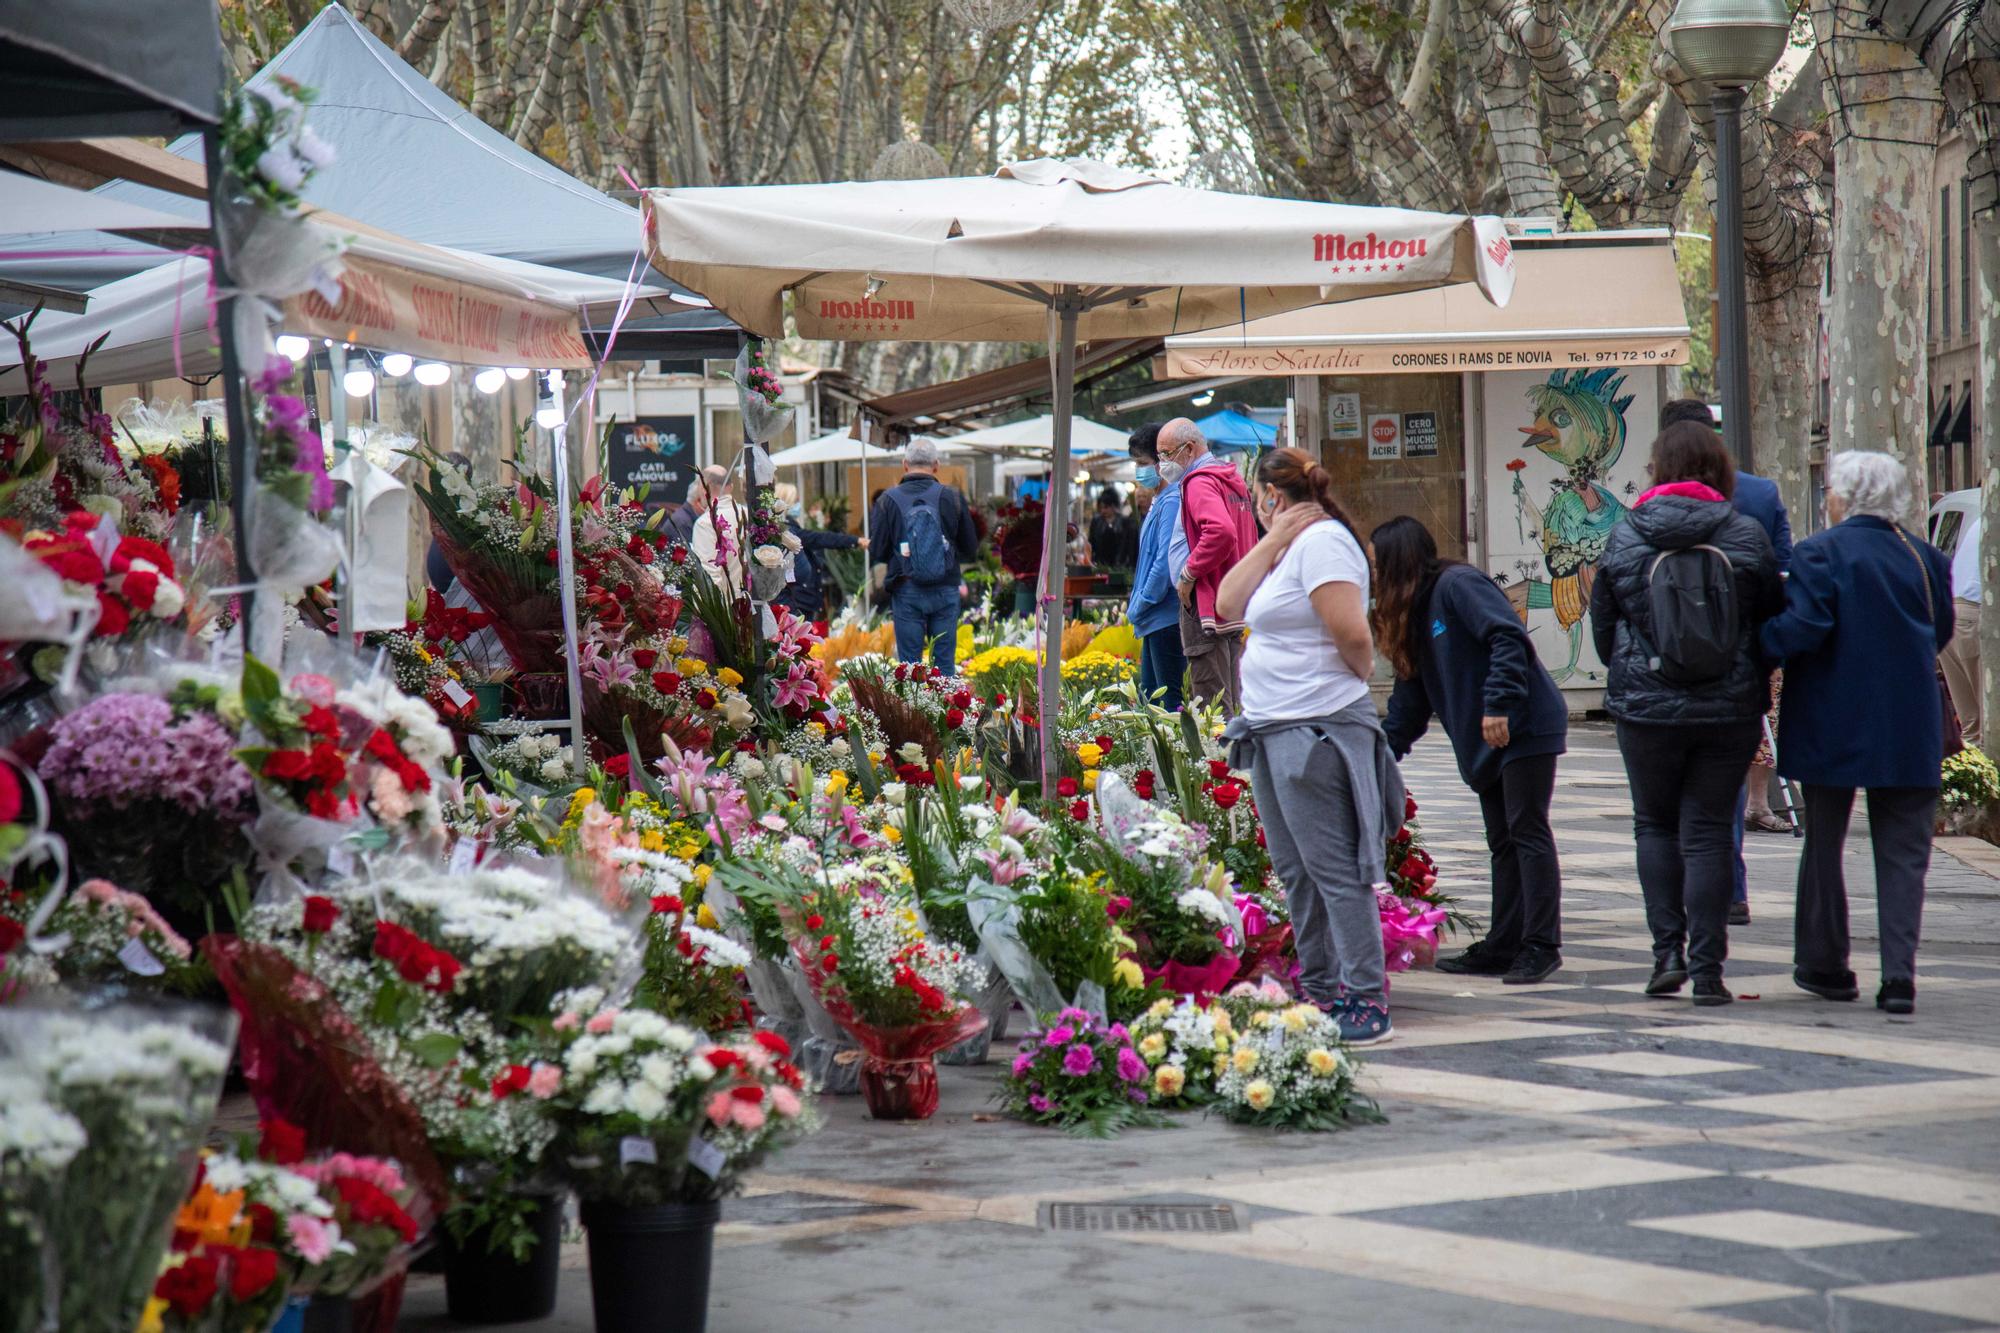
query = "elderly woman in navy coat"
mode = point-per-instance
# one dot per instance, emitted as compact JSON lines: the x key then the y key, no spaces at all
{"x":1867,"y":608}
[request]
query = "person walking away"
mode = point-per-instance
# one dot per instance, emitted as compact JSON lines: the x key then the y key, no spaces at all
{"x":1217,"y":529}
{"x":1328,"y":790}
{"x":1154,"y":608}
{"x":805,"y":595}
{"x":1461,"y":654}
{"x":1866,"y":614}
{"x":1684,"y":583}
{"x":1114,"y":537}
{"x":1961,"y":659}
{"x":924,"y":528}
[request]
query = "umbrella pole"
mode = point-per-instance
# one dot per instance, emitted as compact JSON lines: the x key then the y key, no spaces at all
{"x":1063,"y":312}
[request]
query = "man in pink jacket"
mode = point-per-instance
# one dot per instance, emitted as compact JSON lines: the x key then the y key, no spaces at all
{"x":1218,"y":525}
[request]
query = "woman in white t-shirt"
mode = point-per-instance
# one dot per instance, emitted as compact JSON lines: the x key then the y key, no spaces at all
{"x":1328,"y":790}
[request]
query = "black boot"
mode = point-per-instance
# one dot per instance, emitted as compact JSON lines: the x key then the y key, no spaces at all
{"x":1670,"y":973}
{"x":1710,"y":992}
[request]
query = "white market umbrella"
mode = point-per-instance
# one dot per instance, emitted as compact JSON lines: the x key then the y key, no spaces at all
{"x":1046,"y":249}
{"x":838,"y":447}
{"x":1038,"y":434}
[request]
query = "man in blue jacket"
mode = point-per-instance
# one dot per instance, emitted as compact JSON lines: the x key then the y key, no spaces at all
{"x":1154,"y":608}
{"x":1756,"y":497}
{"x":924,"y":529}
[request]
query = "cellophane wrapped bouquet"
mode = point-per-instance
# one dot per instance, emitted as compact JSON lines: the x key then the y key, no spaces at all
{"x":104,"y":1110}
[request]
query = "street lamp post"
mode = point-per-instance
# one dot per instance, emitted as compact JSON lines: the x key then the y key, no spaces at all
{"x":1730,"y":45}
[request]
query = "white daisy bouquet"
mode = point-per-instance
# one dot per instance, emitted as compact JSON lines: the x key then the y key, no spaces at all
{"x":649,"y":1111}
{"x":126,"y":1094}
{"x":1287,"y":1068}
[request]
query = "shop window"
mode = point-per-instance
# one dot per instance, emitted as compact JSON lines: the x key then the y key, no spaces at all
{"x":1966,"y":262}
{"x":1941,"y":325}
{"x":1417,"y":467}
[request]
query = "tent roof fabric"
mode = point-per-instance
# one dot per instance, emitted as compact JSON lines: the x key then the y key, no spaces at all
{"x":837,"y":447}
{"x":1037,"y":434}
{"x":1227,"y":427}
{"x":1609,"y":294}
{"x":29,"y":205}
{"x":94,"y":67}
{"x":1003,"y":386}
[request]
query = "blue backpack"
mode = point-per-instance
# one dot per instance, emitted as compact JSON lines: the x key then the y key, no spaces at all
{"x":932,"y":558}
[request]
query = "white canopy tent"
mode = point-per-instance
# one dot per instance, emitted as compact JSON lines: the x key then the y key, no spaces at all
{"x":1046,"y":249}
{"x":29,"y":205}
{"x":838,"y":447}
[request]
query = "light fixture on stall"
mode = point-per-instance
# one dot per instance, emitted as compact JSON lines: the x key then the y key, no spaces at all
{"x":517,"y":372}
{"x":359,"y":382}
{"x":292,"y":347}
{"x":1202,"y":399}
{"x":432,"y":373}
{"x":489,"y":380}
{"x":548,"y":413}
{"x":396,"y":365}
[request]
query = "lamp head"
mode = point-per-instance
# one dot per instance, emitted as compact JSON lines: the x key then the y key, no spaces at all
{"x":1728,"y":43}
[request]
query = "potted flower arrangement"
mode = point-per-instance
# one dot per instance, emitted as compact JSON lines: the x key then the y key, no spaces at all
{"x":1082,"y":1074}
{"x":1186,"y":1046}
{"x":1287,"y":1068}
{"x":655,"y":1125}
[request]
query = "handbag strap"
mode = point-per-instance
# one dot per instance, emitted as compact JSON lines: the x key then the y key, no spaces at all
{"x":1923,"y":573}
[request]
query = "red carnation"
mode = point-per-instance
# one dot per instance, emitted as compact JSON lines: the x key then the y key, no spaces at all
{"x":11,"y":934}
{"x":189,"y":1286}
{"x":773,"y":1043}
{"x":666,"y":902}
{"x":748,"y":1092}
{"x":322,"y":722}
{"x":829,"y":962}
{"x":281,"y":1141}
{"x":1517,"y":464}
{"x":288,"y":765}
{"x":252,"y":1271}
{"x":815,"y":921}
{"x":513,"y":1079}
{"x":320,"y":914}
{"x":140,"y":587}
{"x":721,"y":1059}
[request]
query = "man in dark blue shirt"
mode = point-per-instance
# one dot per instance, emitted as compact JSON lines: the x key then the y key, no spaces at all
{"x":923,"y":584}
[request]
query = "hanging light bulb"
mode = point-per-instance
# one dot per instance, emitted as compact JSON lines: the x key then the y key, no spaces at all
{"x":396,"y":365}
{"x":292,"y":347}
{"x":517,"y":372}
{"x":359,"y":382}
{"x":489,"y":380}
{"x":548,"y":416}
{"x":432,"y":373}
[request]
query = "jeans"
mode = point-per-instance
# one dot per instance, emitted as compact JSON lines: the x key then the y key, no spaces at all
{"x":1899,"y":832}
{"x":1684,"y":786}
{"x":1306,"y":801}
{"x":926,"y":614}
{"x":1742,"y":875}
{"x":1527,"y":878}
{"x":1162,"y":666}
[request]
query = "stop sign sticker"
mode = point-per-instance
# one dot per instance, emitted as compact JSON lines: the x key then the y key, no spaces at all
{"x":1385,"y":436}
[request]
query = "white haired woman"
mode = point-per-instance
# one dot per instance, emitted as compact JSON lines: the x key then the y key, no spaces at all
{"x":1867,"y":609}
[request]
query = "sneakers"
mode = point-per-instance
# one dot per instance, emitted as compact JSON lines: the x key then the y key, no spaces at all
{"x":1531,"y":965}
{"x":1481,"y":960}
{"x":1669,"y":974}
{"x":1710,"y":992}
{"x":1829,"y":985}
{"x":1364,"y":1023}
{"x":1897,"y":996}
{"x":1739,"y":914}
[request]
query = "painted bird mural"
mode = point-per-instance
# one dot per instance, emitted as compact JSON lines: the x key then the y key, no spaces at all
{"x":1579,"y":424}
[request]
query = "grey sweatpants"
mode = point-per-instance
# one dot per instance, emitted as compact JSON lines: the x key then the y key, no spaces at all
{"x":1306,"y":800}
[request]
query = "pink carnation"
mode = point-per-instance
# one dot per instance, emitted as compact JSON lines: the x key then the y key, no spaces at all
{"x":312,"y":1237}
{"x":786,"y":1101}
{"x":601,"y":1023}
{"x":749,"y":1115}
{"x":545,"y":1081}
{"x":566,"y":1020}
{"x":718,"y":1108}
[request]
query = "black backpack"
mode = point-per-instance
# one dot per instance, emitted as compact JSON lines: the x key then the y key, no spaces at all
{"x":1692,"y":595}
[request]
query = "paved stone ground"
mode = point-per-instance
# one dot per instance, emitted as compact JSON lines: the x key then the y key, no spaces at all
{"x":1567,"y":1156}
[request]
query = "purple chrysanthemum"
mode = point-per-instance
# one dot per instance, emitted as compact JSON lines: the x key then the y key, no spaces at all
{"x":121,"y":750}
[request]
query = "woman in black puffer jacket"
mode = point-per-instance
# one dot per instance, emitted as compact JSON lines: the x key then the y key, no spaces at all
{"x":1685,"y":744}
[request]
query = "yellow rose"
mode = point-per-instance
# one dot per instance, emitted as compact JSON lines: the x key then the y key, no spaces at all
{"x":730,"y":676}
{"x":692,"y":666}
{"x":701,"y":874}
{"x":704,"y":916}
{"x":1090,"y":780}
{"x":1161,"y":1008}
{"x":677,"y":645}
{"x":1245,"y":1059}
{"x":1221,"y":1041}
{"x":1259,"y":1094}
{"x":874,"y":756}
{"x":1089,"y":754}
{"x":891,"y":834}
{"x":1322,"y":1061}
{"x":1223,"y":1027}
{"x":817,"y":728}
{"x":1168,"y":1080}
{"x":1127,"y":974}
{"x":1153,"y":1046}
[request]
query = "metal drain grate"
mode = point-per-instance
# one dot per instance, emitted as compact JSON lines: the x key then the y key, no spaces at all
{"x":1156,"y":1217}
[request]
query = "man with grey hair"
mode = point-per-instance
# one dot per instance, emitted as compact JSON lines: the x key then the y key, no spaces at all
{"x":693,"y":506}
{"x":923,"y":529}
{"x":1218,"y":526}
{"x":1867,"y":610}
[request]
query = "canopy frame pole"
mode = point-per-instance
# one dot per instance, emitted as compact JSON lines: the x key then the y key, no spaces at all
{"x":557,"y":385}
{"x":1067,"y":305}
{"x":242,"y":448}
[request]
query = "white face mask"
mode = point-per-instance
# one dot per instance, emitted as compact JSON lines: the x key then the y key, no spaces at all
{"x":1171,"y":472}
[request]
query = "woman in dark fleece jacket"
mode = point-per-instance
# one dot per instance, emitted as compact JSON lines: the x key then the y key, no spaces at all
{"x":1462,"y":655}
{"x":1685,"y":744}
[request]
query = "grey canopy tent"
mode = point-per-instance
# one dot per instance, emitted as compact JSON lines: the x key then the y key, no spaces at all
{"x":413,"y":161}
{"x":91,"y":68}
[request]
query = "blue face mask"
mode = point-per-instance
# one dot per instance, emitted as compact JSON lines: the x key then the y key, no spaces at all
{"x":797,"y":513}
{"x":1148,"y":476}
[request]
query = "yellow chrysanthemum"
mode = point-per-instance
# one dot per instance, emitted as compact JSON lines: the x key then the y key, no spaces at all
{"x":1153,"y":1045}
{"x":424,"y":654}
{"x":892,"y":834}
{"x":1168,"y":1080}
{"x":1127,"y":974}
{"x":585,"y":797}
{"x":730,"y":676}
{"x":1259,"y":1094}
{"x":1245,"y":1059}
{"x":704,"y":916}
{"x":1090,"y":670}
{"x":652,"y":840}
{"x":1322,"y":1061}
{"x":1223,"y":1027}
{"x":1161,"y":1008}
{"x":1090,"y":754}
